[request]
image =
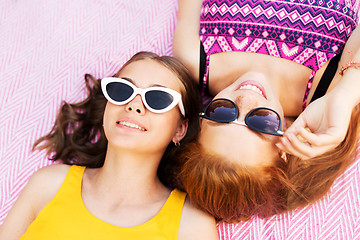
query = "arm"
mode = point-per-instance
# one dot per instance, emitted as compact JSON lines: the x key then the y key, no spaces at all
{"x":195,"y":224}
{"x":39,"y":190}
{"x":328,"y":117}
{"x":186,"y":42}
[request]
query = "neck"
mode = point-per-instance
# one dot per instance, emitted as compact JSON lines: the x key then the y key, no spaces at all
{"x":131,"y":173}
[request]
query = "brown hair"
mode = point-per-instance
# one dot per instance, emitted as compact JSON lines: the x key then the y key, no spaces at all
{"x":77,"y":136}
{"x":233,"y":193}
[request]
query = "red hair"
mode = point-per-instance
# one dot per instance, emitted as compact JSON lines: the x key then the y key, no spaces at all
{"x":231,"y":192}
{"x":228,"y":191}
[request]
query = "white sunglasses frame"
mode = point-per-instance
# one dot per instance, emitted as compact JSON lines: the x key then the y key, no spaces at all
{"x":141,"y":91}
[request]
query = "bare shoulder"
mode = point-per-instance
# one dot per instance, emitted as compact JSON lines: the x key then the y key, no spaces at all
{"x":46,"y":182}
{"x":40,"y":189}
{"x":55,"y":172}
{"x":50,"y":176}
{"x":196,"y":224}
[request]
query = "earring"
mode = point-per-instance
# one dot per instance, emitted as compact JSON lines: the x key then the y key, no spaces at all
{"x":177,"y":144}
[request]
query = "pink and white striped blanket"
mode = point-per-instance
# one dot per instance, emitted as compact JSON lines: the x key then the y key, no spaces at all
{"x":46,"y":47}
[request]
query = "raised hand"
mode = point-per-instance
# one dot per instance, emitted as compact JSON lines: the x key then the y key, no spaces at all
{"x":321,"y":127}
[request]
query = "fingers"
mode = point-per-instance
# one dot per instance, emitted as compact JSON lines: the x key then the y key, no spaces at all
{"x":303,"y":149}
{"x":294,"y":147}
{"x":333,"y":136}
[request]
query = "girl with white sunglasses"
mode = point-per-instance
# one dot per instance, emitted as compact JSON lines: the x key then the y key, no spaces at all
{"x":119,"y":152}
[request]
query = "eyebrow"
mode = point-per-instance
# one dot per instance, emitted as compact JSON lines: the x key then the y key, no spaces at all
{"x":152,"y":85}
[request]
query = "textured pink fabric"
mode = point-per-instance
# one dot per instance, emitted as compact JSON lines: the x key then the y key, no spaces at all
{"x":45,"y":49}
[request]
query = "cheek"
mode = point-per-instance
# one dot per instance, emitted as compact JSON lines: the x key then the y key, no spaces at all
{"x":169,"y":123}
{"x":213,"y":139}
{"x":223,"y":94}
{"x":280,"y":111}
{"x":167,"y":126}
{"x":107,"y":120}
{"x":107,"y":112}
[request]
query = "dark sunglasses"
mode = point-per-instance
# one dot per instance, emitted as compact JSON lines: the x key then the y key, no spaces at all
{"x":156,"y":99}
{"x":260,"y":119}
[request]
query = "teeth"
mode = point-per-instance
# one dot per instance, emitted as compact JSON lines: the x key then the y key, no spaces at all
{"x":132,"y":125}
{"x":251,"y":87}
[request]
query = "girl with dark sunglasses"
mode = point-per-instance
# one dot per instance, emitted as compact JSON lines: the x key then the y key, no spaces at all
{"x":258,"y":58}
{"x":119,"y":174}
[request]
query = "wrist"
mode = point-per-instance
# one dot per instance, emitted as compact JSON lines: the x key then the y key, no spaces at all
{"x":349,"y":85}
{"x":351,"y":64}
{"x":347,"y":90}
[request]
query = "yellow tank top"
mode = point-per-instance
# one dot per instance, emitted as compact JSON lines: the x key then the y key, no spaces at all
{"x":66,"y":217}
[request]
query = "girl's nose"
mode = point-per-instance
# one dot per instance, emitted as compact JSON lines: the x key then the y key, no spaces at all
{"x":136,"y":105}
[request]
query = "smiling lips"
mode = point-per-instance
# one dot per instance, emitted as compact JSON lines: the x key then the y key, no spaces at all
{"x":253,"y":86}
{"x":130,"y":125}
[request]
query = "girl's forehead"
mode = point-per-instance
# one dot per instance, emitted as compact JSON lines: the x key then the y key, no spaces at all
{"x":147,"y":72}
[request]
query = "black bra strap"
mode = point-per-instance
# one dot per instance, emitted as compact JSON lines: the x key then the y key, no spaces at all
{"x":202,"y":65}
{"x":326,"y":78}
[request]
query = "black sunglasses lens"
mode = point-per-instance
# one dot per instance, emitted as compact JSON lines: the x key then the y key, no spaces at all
{"x":158,"y":99}
{"x":221,"y":111}
{"x":119,"y":92}
{"x":264,"y":120}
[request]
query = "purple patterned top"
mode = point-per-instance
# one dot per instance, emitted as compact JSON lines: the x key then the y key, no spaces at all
{"x":309,"y":32}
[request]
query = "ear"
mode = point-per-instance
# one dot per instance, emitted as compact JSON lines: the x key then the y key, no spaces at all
{"x":181,"y":131}
{"x":284,"y":156}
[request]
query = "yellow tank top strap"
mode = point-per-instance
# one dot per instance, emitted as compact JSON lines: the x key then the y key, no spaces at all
{"x":73,"y":178}
{"x":71,"y":187}
{"x":171,"y":213}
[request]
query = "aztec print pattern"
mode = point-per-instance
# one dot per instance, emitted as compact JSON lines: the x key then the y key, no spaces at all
{"x":46,"y":47}
{"x":309,"y":32}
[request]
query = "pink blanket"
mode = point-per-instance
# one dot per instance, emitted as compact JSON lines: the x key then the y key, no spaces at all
{"x":46,"y":47}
